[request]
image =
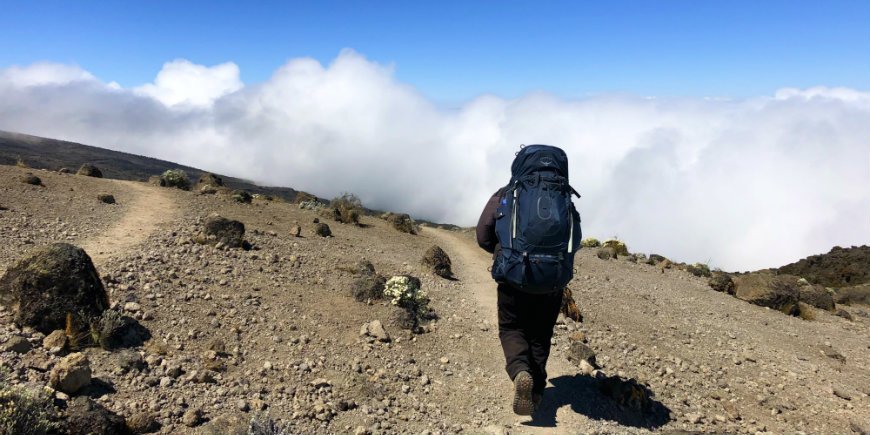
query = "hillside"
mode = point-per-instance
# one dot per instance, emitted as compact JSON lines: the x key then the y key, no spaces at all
{"x":42,"y":153}
{"x":273,"y":334}
{"x":841,"y":267}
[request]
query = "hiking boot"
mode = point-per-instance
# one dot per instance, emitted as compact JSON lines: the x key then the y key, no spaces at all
{"x":523,"y":403}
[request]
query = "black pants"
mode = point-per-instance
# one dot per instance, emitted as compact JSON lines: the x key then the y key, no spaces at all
{"x":525,"y":327}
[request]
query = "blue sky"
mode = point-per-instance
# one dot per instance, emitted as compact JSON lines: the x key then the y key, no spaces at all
{"x":453,"y":51}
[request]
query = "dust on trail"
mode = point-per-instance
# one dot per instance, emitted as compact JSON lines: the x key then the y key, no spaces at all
{"x":471,"y":264}
{"x":149,"y":209}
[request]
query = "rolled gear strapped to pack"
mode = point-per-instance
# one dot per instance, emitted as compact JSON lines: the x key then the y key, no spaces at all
{"x":536,"y":224}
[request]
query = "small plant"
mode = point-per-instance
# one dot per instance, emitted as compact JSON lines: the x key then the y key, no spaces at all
{"x":262,"y":424}
{"x":176,"y":178}
{"x":20,"y":162}
{"x":404,"y":292}
{"x":347,"y":208}
{"x":25,"y":411}
{"x":590,"y":242}
{"x":242,"y":196}
{"x":618,"y":245}
{"x":311,"y":204}
{"x":699,"y":270}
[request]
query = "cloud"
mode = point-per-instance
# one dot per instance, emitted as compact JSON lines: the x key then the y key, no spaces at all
{"x":744,"y":184}
{"x":182,"y":83}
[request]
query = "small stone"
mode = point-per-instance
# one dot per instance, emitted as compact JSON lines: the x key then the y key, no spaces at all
{"x":267,"y":365}
{"x":444,"y":360}
{"x":57,"y":339}
{"x":71,"y":374}
{"x":320,"y":382}
{"x":132,"y":307}
{"x":243,"y":406}
{"x":841,"y":393}
{"x":424,"y":380}
{"x":16,"y":344}
{"x":693,"y":418}
{"x":143,"y":422}
{"x":192,"y":417}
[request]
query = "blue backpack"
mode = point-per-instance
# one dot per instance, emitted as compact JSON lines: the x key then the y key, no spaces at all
{"x":536,"y":223}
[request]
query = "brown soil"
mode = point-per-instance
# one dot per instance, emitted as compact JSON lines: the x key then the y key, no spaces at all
{"x":289,"y":327}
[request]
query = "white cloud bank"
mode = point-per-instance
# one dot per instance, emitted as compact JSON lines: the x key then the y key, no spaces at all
{"x":745,"y":184}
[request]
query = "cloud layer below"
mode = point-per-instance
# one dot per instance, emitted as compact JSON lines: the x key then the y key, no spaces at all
{"x":743,"y":184}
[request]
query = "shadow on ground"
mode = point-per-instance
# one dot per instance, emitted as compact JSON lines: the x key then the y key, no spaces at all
{"x":615,"y":399}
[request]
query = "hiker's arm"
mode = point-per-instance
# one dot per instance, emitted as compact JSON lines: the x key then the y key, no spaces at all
{"x":486,"y":225}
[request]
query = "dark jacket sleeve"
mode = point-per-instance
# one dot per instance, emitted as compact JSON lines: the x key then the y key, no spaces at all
{"x":486,"y":238}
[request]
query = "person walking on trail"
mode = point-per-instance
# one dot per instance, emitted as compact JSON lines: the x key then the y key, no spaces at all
{"x":533,"y":230}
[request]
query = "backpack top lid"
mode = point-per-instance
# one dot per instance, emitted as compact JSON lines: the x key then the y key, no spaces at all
{"x":533,"y":158}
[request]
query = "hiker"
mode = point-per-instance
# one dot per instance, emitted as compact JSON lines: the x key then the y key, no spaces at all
{"x":533,"y":231}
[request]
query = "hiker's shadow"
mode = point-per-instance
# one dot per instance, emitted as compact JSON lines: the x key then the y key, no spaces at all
{"x":625,"y":402}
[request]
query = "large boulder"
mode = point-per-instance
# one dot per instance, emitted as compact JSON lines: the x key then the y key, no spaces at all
{"x":816,"y":296}
{"x":50,"y":283}
{"x":90,"y":170}
{"x":721,"y":282}
{"x":438,"y":260}
{"x":779,"y":292}
{"x":221,"y":230}
{"x":86,"y":417}
{"x":322,"y":230}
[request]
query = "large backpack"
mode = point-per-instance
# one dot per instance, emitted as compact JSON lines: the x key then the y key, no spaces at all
{"x":536,"y":223}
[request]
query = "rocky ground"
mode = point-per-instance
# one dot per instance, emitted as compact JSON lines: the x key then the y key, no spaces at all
{"x":273,"y":331}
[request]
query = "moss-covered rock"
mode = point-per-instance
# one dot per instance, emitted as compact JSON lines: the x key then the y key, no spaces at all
{"x":322,"y":230}
{"x":90,"y":170}
{"x":590,"y":242}
{"x":619,"y":246}
{"x":50,"y":283}
{"x":779,"y":292}
{"x":218,"y":229}
{"x":721,"y":282}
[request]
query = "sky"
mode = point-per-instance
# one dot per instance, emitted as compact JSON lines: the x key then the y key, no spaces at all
{"x":733,"y":133}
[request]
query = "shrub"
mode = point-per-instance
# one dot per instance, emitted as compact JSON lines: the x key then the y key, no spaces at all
{"x":699,"y":270}
{"x":262,"y":424}
{"x":311,"y":204}
{"x":20,"y":162}
{"x":404,"y":292}
{"x":590,"y":242}
{"x":402,"y":222}
{"x":176,"y":178}
{"x":619,"y":246}
{"x":721,"y":282}
{"x":347,"y":208}
{"x":242,"y":196}
{"x":304,"y":197}
{"x":24,"y":411}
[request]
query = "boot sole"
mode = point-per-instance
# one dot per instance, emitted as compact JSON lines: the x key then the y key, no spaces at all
{"x":523,"y":404}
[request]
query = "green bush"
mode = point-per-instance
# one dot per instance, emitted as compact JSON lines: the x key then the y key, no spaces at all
{"x":24,"y":411}
{"x":176,"y":178}
{"x":590,"y":242}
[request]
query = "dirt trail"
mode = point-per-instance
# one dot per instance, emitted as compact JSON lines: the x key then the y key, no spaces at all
{"x":471,"y":264}
{"x":148,"y":209}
